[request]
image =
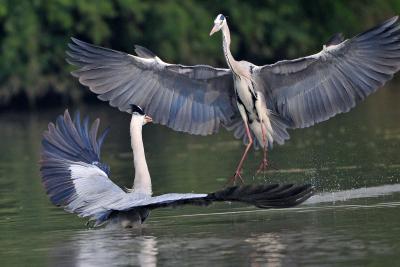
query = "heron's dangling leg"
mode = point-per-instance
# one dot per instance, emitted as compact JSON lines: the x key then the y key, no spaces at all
{"x":237,"y":175}
{"x":264,"y":163}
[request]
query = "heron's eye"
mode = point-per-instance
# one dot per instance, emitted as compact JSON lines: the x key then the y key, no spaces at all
{"x":222,"y":18}
{"x":135,"y":113}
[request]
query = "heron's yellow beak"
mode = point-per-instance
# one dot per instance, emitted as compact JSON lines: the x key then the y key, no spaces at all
{"x":214,"y":29}
{"x":147,"y":119}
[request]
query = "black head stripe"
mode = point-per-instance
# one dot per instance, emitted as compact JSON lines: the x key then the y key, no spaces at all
{"x":137,"y":109}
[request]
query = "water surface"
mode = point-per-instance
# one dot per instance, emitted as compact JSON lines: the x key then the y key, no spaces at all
{"x":351,"y":227}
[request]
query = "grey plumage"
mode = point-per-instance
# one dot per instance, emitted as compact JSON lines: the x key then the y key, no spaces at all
{"x":312,"y":89}
{"x":71,"y":170}
{"x":199,"y":99}
{"x":75,"y":179}
{"x":191,"y":99}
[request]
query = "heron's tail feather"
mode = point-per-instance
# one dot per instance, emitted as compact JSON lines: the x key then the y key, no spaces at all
{"x":239,"y":132}
{"x":279,"y":128}
{"x":277,"y":131}
{"x":265,"y":196}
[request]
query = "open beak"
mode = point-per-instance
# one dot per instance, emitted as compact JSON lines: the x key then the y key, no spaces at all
{"x":214,"y":30}
{"x":147,"y":119}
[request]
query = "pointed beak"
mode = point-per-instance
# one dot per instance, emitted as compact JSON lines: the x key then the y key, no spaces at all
{"x":147,"y":119}
{"x":214,"y":30}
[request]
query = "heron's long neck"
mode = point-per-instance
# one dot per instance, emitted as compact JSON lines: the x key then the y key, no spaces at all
{"x":226,"y":42}
{"x":142,"y":182}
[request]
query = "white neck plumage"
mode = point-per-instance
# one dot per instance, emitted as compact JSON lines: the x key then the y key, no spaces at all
{"x":142,"y":182}
{"x":226,"y":43}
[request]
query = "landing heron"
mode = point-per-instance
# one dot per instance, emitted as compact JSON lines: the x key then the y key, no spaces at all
{"x":257,"y":103}
{"x":75,"y":178}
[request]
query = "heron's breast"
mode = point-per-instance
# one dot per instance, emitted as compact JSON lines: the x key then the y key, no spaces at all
{"x":244,"y":92}
{"x":247,"y":97}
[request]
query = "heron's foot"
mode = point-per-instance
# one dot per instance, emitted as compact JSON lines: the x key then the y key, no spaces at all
{"x":263,"y":167}
{"x":234,"y":179}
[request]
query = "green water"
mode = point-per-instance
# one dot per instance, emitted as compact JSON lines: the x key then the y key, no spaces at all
{"x":353,"y":150}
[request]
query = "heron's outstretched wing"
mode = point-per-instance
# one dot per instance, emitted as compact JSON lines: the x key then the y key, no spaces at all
{"x":261,"y":196}
{"x":72,"y":173}
{"x":193,"y":99}
{"x":312,"y":89}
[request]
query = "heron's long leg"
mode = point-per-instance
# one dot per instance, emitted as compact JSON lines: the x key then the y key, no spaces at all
{"x":240,"y":165}
{"x":264,"y":163}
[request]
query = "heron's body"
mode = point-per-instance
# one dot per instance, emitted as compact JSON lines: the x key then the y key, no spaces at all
{"x":250,"y":101}
{"x":75,"y":179}
{"x":256,"y":103}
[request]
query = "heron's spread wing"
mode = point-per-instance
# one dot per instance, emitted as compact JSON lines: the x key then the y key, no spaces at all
{"x":264,"y":196}
{"x":193,"y":99}
{"x":72,"y":173}
{"x":171,"y":199}
{"x":312,"y":89}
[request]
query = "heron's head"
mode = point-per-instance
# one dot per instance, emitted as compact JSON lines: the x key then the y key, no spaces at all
{"x":138,"y":114}
{"x":219,"y":21}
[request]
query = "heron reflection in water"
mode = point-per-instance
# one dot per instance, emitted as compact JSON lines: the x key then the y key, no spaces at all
{"x":76,"y":179}
{"x":257,"y":103}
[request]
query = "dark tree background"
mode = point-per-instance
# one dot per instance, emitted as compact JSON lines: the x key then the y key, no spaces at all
{"x":34,"y":35}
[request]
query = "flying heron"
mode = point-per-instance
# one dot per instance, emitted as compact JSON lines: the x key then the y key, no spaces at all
{"x":258,"y":103}
{"x":75,"y":178}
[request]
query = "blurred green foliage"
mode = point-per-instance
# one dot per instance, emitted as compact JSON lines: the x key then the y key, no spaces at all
{"x":35,"y":33}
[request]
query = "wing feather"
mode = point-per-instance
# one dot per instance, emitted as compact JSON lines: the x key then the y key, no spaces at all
{"x":264,"y":196}
{"x":72,"y":173}
{"x":312,"y":89}
{"x":166,"y":92}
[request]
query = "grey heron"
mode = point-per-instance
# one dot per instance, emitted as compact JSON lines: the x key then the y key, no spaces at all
{"x":75,"y":178}
{"x":258,"y":103}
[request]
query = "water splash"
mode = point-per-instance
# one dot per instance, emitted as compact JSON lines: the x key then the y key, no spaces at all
{"x":365,"y":192}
